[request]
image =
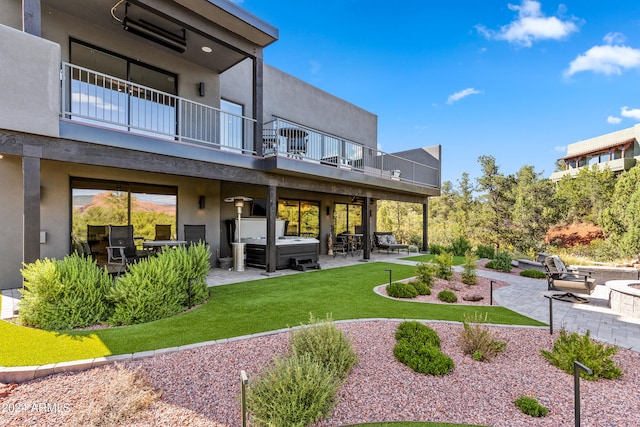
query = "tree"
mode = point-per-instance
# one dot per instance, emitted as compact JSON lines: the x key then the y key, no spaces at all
{"x":531,"y":215}
{"x":495,"y":221}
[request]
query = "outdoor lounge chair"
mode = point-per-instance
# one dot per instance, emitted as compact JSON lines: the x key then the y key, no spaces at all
{"x":386,"y":240}
{"x":570,"y":281}
{"x":122,"y":247}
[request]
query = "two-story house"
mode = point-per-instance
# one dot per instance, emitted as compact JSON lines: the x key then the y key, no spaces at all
{"x":153,"y":112}
{"x":618,"y":151}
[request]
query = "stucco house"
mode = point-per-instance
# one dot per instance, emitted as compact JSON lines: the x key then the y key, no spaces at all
{"x":617,"y":151}
{"x":156,"y":111}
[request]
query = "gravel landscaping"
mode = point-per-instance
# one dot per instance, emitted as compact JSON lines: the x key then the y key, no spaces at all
{"x":201,"y":387}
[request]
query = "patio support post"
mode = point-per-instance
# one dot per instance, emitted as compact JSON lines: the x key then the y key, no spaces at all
{"x":272,"y":215}
{"x":31,"y":203}
{"x":366,"y":228}
{"x":258,"y":90}
{"x":425,"y":225}
{"x":31,"y":19}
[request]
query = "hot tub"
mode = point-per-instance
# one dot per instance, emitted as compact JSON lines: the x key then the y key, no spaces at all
{"x":286,"y":248}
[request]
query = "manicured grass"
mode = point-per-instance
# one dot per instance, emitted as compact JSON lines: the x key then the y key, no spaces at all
{"x":457,"y":260}
{"x":246,"y":308}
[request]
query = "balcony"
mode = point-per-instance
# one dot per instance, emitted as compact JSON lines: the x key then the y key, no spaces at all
{"x":285,"y":139}
{"x":103,"y":101}
{"x":616,"y":165}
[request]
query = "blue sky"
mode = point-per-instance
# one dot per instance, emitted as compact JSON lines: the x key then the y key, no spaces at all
{"x":517,"y":80}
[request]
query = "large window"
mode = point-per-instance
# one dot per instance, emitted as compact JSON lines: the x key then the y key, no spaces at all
{"x":104,"y":203}
{"x":347,"y":218}
{"x":123,"y":94}
{"x":303,"y":217}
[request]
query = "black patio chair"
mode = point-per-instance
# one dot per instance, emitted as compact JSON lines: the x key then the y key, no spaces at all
{"x":195,"y":234}
{"x":122,"y":247}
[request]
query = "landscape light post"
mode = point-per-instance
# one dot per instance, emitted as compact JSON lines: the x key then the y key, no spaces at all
{"x":390,"y":275}
{"x":244,"y":380}
{"x":577,"y":367}
{"x":550,"y":314}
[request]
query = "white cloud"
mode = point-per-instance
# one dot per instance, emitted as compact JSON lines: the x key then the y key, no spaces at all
{"x":531,"y":25}
{"x":315,"y":68}
{"x":632,"y":114}
{"x":462,"y":94}
{"x":610,"y":58}
{"x":613,"y":120}
{"x":561,"y":148}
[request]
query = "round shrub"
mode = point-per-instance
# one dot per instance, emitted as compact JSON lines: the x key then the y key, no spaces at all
{"x":447,"y":296}
{"x":325,"y":343}
{"x":501,"y":262}
{"x":401,"y":290}
{"x":535,"y":274}
{"x":423,"y":357}
{"x":296,"y":391}
{"x":421,"y":288}
{"x":530,"y":406}
{"x":418,"y":332}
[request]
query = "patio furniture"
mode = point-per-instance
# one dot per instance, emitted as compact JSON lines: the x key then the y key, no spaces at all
{"x":122,"y":248}
{"x":163,"y":232}
{"x":386,"y":240}
{"x":561,"y":278}
{"x":341,"y":245}
{"x":195,"y":234}
{"x":98,"y":240}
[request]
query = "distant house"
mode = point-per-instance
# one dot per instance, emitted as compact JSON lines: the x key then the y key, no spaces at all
{"x":617,"y":151}
{"x":157,"y":112}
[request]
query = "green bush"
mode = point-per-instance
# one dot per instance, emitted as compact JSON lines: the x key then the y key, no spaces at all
{"x":460,"y":246}
{"x":501,"y":262}
{"x":159,"y":286}
{"x":530,"y":406}
{"x":401,"y":290}
{"x":468,"y":275}
{"x":326,"y":344}
{"x":64,"y":294}
{"x":426,"y":272}
{"x":444,"y":262}
{"x":423,"y":357}
{"x":417,"y":332}
{"x":435,"y":249}
{"x":421,"y":288}
{"x":536,"y":274}
{"x":296,"y":391}
{"x":485,"y":251}
{"x":447,"y":296}
{"x":477,"y":341}
{"x":596,"y":356}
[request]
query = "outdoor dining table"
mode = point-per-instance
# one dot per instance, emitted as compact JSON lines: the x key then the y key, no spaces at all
{"x":355,"y":242}
{"x":156,"y":245}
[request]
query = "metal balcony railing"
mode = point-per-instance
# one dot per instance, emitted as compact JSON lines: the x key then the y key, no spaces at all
{"x":284,"y":138}
{"x":95,"y":98}
{"x":92,"y":97}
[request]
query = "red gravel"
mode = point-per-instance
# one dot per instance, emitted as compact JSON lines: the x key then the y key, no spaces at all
{"x":201,"y":387}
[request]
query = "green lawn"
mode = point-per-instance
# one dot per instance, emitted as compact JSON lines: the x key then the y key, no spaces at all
{"x":457,"y":260}
{"x":241,"y":309}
